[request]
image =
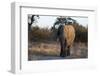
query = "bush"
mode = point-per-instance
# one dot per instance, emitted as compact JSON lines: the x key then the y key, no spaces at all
{"x":40,"y":34}
{"x":81,"y":33}
{"x":45,"y":34}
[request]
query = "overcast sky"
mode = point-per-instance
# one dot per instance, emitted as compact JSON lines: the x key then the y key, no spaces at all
{"x":48,"y":21}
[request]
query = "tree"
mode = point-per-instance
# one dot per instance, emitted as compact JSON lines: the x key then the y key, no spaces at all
{"x":60,"y":20}
{"x":64,"y":21}
{"x":71,"y":21}
{"x":32,"y":20}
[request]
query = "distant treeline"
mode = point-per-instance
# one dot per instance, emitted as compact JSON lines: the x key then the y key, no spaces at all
{"x":81,"y":33}
{"x":45,"y":34}
{"x":40,"y":34}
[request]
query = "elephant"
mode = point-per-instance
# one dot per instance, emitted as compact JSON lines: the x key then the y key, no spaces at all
{"x":66,"y":36}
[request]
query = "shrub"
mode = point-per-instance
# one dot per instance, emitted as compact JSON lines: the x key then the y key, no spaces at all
{"x":45,"y":34}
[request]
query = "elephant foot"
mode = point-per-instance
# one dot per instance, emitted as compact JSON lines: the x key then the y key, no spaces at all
{"x":62,"y":54}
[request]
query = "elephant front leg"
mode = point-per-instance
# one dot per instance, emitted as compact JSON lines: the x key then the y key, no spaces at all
{"x":63,"y":52}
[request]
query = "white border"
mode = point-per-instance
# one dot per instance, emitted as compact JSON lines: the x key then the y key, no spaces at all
{"x":19,"y":39}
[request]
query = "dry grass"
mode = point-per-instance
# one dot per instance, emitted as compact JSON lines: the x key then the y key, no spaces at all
{"x":45,"y":51}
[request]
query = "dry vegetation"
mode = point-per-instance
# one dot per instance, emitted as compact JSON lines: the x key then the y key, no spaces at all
{"x":45,"y":51}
